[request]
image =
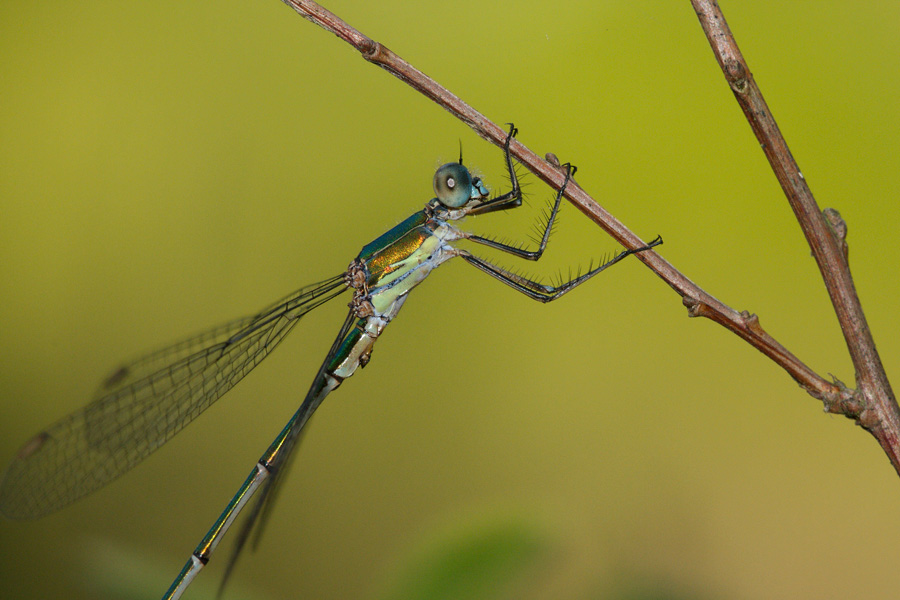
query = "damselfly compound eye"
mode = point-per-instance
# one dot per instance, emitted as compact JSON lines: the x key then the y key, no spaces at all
{"x":452,"y":185}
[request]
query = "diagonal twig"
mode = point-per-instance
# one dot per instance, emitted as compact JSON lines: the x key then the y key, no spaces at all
{"x":865,"y":405}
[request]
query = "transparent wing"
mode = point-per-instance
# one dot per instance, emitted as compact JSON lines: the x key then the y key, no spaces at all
{"x":143,"y":404}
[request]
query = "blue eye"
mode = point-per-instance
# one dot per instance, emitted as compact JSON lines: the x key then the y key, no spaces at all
{"x":453,"y":185}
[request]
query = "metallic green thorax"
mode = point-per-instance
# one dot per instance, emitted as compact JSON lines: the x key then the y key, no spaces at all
{"x":382,"y":276}
{"x":391,"y":265}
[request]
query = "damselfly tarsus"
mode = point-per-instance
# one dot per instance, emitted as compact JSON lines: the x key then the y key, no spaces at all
{"x":143,"y":404}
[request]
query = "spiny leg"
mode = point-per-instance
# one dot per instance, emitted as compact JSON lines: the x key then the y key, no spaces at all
{"x":548,"y":225}
{"x":534,"y":289}
{"x":539,"y":291}
{"x":512,"y":198}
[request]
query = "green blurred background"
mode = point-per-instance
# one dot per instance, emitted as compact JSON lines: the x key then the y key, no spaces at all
{"x":170,"y":165}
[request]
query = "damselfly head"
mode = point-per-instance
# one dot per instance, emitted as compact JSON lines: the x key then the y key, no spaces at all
{"x":454,"y":186}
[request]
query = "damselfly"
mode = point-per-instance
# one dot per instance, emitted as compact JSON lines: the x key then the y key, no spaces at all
{"x":143,"y":404}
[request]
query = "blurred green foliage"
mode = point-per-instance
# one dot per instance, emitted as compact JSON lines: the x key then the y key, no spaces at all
{"x":170,"y":165}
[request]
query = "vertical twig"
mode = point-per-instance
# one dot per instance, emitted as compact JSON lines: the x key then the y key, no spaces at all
{"x":873,"y":404}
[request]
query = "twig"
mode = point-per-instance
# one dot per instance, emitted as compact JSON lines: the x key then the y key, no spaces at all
{"x":873,"y":404}
{"x":866,"y":406}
